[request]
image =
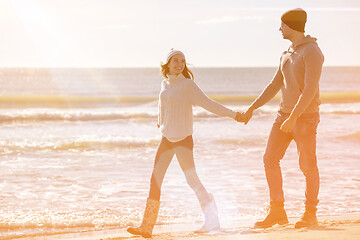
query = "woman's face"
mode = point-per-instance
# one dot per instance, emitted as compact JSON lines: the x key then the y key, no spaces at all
{"x":176,"y":64}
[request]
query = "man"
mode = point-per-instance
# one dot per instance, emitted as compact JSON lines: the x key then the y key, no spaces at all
{"x":298,"y":78}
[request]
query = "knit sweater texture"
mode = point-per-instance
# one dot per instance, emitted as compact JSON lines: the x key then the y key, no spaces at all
{"x":176,"y":99}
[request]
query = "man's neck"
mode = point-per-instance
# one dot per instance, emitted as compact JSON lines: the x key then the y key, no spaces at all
{"x":297,"y":38}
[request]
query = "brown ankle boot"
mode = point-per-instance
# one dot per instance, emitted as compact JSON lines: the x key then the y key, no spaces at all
{"x":149,"y":220}
{"x":308,"y":219}
{"x":276,"y":215}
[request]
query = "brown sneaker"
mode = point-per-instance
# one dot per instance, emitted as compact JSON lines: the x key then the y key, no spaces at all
{"x":276,"y":215}
{"x":308,"y":219}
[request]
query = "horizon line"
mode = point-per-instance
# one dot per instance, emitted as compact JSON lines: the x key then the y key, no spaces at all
{"x":114,"y":67}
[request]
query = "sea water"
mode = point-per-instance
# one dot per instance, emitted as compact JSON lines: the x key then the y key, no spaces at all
{"x":77,"y":149}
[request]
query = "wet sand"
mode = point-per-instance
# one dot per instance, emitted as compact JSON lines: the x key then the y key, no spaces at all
{"x":329,"y":228}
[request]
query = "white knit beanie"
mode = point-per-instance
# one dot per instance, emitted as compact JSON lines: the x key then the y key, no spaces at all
{"x":172,"y":53}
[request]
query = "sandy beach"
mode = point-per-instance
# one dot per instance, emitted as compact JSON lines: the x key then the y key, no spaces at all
{"x":329,"y":228}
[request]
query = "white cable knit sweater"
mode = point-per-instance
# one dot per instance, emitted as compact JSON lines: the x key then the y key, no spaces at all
{"x":177,"y":97}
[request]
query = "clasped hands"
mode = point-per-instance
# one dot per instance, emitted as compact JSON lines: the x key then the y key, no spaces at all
{"x":244,"y":116}
{"x":287,"y":126}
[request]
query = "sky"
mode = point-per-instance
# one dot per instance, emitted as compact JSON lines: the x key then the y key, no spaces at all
{"x":139,"y":33}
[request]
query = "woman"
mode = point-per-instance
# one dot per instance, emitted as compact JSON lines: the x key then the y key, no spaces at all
{"x":178,"y":95}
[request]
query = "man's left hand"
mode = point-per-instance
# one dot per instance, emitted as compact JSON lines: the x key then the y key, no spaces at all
{"x":288,"y":124}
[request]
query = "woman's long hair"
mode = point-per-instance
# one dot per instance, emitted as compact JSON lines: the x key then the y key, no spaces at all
{"x":165,"y":70}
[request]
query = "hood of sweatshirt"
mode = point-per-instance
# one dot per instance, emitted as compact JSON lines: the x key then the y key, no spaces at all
{"x":308,"y":39}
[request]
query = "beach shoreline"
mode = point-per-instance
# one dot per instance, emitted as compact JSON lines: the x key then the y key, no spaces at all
{"x":329,"y":228}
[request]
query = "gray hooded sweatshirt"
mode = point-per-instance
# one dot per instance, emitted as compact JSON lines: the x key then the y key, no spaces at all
{"x":298,"y":79}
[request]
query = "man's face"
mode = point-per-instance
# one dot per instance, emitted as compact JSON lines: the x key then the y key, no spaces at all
{"x":285,"y":30}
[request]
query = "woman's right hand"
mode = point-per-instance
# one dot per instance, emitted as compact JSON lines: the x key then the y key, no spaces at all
{"x":248,"y":115}
{"x":239,"y":117}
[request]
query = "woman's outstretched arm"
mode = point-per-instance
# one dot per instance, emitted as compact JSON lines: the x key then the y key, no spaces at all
{"x":199,"y":98}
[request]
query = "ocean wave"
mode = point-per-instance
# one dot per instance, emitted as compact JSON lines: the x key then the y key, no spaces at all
{"x":241,"y":142}
{"x":340,"y":97}
{"x":345,"y":109}
{"x":151,"y":114}
{"x":80,"y":144}
{"x":353,"y":136}
{"x":73,"y":115}
{"x":68,"y":99}
{"x":326,"y":97}
{"x":88,"y":115}
{"x":48,"y":228}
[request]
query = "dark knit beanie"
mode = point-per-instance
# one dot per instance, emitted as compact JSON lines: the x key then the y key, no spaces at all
{"x":295,"y":19}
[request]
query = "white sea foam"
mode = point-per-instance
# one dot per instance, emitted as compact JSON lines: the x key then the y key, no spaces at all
{"x":82,"y":143}
{"x":151,"y":113}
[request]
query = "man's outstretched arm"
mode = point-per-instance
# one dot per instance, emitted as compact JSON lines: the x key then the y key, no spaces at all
{"x":269,"y":93}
